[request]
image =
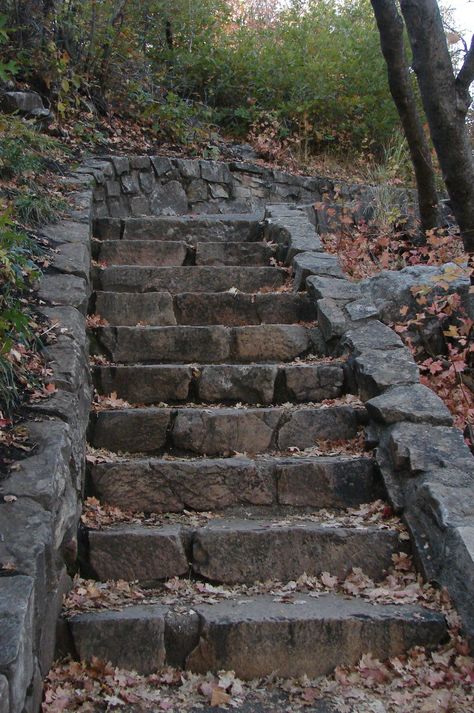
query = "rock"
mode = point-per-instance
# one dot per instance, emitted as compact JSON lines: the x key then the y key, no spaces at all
{"x":135,"y":278}
{"x":311,"y":263}
{"x":73,"y":259}
{"x":68,"y":231}
{"x":133,"y":638}
{"x":162,"y":165}
{"x":4,"y":695}
{"x":16,"y":637}
{"x":416,"y":447}
{"x":215,"y":172}
{"x":458,"y":575}
{"x":305,"y":427}
{"x":392,"y":290}
{"x":335,"y":288}
{"x":121,"y":164}
{"x":270,"y":342}
{"x":331,"y":318}
{"x":243,"y":551}
{"x":157,"y":485}
{"x":147,"y":554}
{"x":242,"y":309}
{"x":225,"y":431}
{"x":252,"y":384}
{"x":142,"y":252}
{"x":197,"y":191}
{"x":325,"y":482}
{"x":233,"y":254}
{"x":129,"y":308}
{"x":415,"y":403}
{"x":147,"y":181}
{"x":292,"y":639}
{"x":361,"y":309}
{"x":25,"y":103}
{"x":130,"y":184}
{"x":169,"y":199}
{"x":65,"y":290}
{"x":376,"y":371}
{"x":165,"y":344}
{"x":145,"y":384}
{"x":140,"y":162}
{"x":131,"y":430}
{"x":369,"y":336}
{"x":314,"y":382}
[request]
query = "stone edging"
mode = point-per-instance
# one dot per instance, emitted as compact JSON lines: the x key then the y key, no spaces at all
{"x":38,"y":525}
{"x":427,"y":468}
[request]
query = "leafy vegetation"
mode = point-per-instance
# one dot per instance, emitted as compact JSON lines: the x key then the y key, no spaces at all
{"x":184,"y":65}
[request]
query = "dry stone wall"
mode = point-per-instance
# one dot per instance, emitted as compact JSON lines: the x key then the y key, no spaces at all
{"x":40,"y":501}
{"x":142,"y":185}
{"x":427,"y":468}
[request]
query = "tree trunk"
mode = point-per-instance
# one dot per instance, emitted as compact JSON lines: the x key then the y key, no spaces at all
{"x":446,"y":101}
{"x":390,"y":26}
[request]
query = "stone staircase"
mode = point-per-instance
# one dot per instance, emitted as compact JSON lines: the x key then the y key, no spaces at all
{"x":222,"y":365}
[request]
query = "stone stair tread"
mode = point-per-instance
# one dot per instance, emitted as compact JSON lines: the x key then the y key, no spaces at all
{"x":203,"y":308}
{"x":223,"y":430}
{"x":206,"y":344}
{"x":214,"y":383}
{"x":172,"y":485}
{"x":237,"y":550}
{"x":234,"y":253}
{"x":211,"y":228}
{"x":189,"y":278}
{"x":303,"y":636}
{"x":146,"y":253}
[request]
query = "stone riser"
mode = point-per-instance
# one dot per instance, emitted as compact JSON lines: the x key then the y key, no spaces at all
{"x":160,"y":485}
{"x":192,"y":278}
{"x":162,"y":309}
{"x":215,"y":383}
{"x":221,"y":431}
{"x":164,"y":253}
{"x":239,"y":551}
{"x":255,"y":637}
{"x":218,"y":228}
{"x":214,"y":344}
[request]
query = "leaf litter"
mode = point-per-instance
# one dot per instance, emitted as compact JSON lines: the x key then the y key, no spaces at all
{"x":420,"y":681}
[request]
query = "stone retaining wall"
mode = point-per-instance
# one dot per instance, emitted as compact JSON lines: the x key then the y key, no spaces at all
{"x":40,"y":501}
{"x":156,"y":185}
{"x":427,"y":468}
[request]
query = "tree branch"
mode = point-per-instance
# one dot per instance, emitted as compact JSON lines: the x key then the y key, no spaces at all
{"x":466,"y":73}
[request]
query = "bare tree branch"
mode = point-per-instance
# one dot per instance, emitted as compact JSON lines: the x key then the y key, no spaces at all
{"x":466,"y":73}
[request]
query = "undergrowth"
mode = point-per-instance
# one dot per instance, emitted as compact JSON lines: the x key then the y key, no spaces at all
{"x":28,"y":198}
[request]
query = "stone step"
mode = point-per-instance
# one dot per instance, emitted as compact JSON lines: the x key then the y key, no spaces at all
{"x":212,"y":344}
{"x":234,"y":253}
{"x":209,"y":228}
{"x":158,"y":485}
{"x":235,"y":550}
{"x":203,"y":308}
{"x":190,"y":278}
{"x":142,"y":252}
{"x":217,"y":383}
{"x":303,"y":636}
{"x":222,"y":431}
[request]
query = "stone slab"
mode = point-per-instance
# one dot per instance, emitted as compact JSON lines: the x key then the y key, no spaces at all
{"x":129,"y":309}
{"x":415,"y":403}
{"x":136,"y":278}
{"x":156,"y":485}
{"x":147,"y":554}
{"x":133,"y":638}
{"x":131,"y":430}
{"x":305,"y":427}
{"x":142,"y":252}
{"x":145,"y":384}
{"x":245,"y":551}
{"x":242,"y":309}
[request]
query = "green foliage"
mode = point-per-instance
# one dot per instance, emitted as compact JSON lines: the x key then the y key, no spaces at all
{"x":18,"y":271}
{"x":36,"y":207}
{"x":23,"y":149}
{"x":10,"y":68}
{"x":318,"y":67}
